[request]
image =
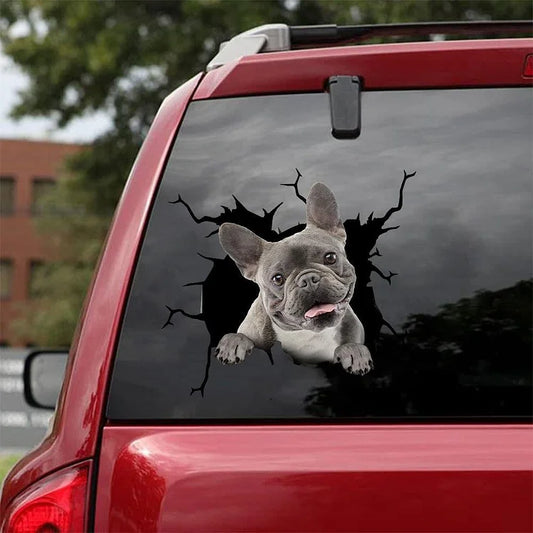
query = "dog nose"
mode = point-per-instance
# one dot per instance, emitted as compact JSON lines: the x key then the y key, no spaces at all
{"x":309,"y":279}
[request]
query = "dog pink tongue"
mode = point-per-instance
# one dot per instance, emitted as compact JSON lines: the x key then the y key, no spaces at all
{"x":320,"y":309}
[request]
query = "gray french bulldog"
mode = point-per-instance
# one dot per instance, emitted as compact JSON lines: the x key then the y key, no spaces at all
{"x":305,"y":286}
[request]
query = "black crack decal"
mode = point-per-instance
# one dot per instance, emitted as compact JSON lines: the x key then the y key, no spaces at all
{"x":224,"y":280}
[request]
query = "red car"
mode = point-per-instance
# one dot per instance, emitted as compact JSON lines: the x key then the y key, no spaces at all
{"x":426,"y":147}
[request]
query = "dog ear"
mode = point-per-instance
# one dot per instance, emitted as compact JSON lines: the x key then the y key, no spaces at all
{"x":323,"y":211}
{"x":243,"y":246}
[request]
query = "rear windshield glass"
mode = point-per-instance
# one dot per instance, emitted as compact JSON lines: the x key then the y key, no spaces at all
{"x":435,"y":196}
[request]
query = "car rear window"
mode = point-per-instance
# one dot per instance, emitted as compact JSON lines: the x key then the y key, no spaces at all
{"x":435,"y":196}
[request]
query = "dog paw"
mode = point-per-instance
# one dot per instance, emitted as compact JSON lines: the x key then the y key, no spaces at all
{"x":354,"y":358}
{"x":233,"y":348}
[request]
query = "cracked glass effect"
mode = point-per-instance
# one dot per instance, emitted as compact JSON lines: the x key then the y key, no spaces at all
{"x":360,"y":249}
{"x":442,"y":252}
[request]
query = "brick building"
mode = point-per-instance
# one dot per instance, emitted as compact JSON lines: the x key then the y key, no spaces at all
{"x":27,"y":171}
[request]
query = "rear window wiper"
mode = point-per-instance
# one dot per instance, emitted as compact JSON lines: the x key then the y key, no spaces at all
{"x":345,"y":106}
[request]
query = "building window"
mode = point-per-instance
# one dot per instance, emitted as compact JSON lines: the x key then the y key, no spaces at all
{"x":35,"y":285}
{"x":7,"y":195}
{"x":40,"y":189}
{"x":6,"y":278}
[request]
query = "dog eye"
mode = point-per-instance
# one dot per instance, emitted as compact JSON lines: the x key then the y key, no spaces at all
{"x":278,"y":279}
{"x":330,"y":258}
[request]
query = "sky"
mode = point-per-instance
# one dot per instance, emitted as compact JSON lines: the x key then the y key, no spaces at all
{"x":13,"y":80}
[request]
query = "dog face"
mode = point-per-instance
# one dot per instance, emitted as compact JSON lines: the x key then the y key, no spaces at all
{"x":305,"y":280}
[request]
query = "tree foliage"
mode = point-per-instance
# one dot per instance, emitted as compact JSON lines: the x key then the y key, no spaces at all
{"x":123,"y":58}
{"x":472,"y":357}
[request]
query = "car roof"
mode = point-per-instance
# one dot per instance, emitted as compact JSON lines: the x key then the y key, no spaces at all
{"x":416,"y":65}
{"x":281,"y":37}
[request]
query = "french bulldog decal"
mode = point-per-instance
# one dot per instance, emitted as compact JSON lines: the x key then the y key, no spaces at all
{"x":305,"y":286}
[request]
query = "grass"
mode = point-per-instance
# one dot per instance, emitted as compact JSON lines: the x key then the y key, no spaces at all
{"x":6,"y":462}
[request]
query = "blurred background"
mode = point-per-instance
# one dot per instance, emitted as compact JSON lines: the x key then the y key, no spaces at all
{"x":81,"y":82}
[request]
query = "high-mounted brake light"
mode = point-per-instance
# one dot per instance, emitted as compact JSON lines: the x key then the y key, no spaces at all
{"x":528,"y":67}
{"x":55,"y":504}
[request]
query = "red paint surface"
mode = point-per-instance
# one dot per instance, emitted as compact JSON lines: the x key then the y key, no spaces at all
{"x":385,"y":66}
{"x":80,"y":410}
{"x":316,"y":478}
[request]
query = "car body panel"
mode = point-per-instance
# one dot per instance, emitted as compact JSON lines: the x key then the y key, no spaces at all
{"x":387,"y":66}
{"x":373,"y":478}
{"x":77,"y":424}
{"x":316,"y":478}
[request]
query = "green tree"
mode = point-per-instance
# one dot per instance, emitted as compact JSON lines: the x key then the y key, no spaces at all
{"x":472,"y":356}
{"x":123,"y":58}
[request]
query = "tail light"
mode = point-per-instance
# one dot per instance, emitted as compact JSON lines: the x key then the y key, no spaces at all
{"x":55,"y":504}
